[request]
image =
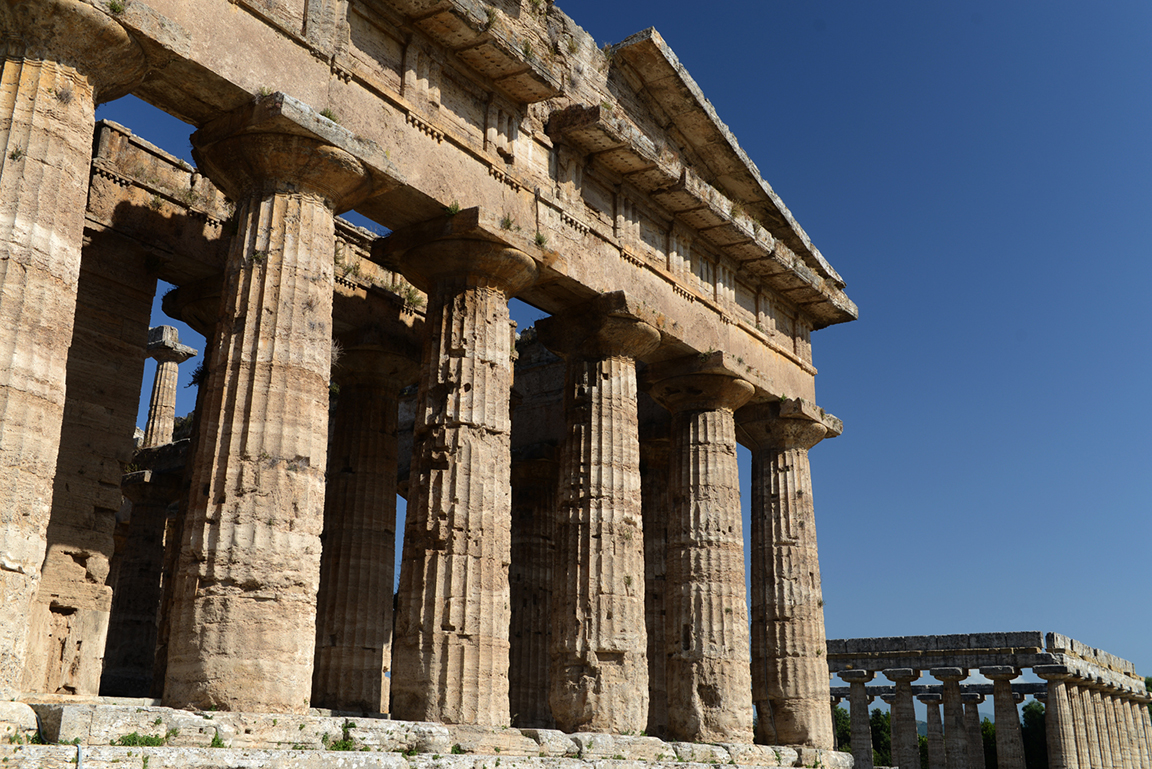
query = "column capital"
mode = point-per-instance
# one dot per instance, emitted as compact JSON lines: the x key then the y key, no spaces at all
{"x":901,"y":675}
{"x":78,"y":35}
{"x":271,"y":142}
{"x":930,"y":699}
{"x":787,"y":424}
{"x":696,"y":383}
{"x":1052,"y":672}
{"x":377,"y":354}
{"x":1000,"y":672}
{"x":948,"y":674}
{"x":856,"y":676}
{"x":164,"y":345}
{"x":976,"y":697}
{"x":480,"y":262}
{"x":607,"y":326}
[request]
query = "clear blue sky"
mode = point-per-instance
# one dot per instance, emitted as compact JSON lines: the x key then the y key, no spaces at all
{"x":981,"y":176}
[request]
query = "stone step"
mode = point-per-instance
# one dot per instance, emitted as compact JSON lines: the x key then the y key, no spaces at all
{"x":179,"y":738}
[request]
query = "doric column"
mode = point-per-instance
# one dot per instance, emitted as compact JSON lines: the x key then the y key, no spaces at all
{"x":1124,"y":715}
{"x":1009,"y":741}
{"x":789,"y":667}
{"x":972,"y":702}
{"x":1078,"y":724}
{"x":244,"y":608}
{"x":1139,"y":709}
{"x":129,"y":654}
{"x":165,"y":348}
{"x":450,"y":658}
{"x":905,"y":741}
{"x":706,"y":621}
{"x":61,"y":58}
{"x":655,"y":499}
{"x":1108,"y":757}
{"x":535,"y":475}
{"x":1058,"y":718}
{"x":858,"y":701}
{"x":955,"y":732}
{"x":936,"y":754}
{"x":1123,"y":741}
{"x":357,"y":565}
{"x":1089,"y":728}
{"x":599,"y":675}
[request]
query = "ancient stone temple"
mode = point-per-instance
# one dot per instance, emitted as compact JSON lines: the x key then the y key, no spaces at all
{"x":573,"y":552}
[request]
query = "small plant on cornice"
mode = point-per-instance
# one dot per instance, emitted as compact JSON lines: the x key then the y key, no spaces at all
{"x":265,"y":90}
{"x":573,"y":46}
{"x":155,"y":203}
{"x":16,"y":153}
{"x":63,"y":95}
{"x":526,"y":49}
{"x":452,"y":209}
{"x":506,"y":222}
{"x":607,"y":106}
{"x":259,"y":257}
{"x":492,"y":18}
{"x":115,"y":7}
{"x":330,"y":115}
{"x":541,"y":239}
{"x":737,"y":209}
{"x":536,"y":5}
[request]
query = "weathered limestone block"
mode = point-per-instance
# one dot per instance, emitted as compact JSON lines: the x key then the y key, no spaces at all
{"x":955,"y":732}
{"x":790,"y":669}
{"x":164,"y":346}
{"x":1009,"y":741}
{"x":451,"y":642}
{"x":61,"y":58}
{"x":243,"y":616}
{"x":534,"y":482}
{"x":858,"y":701}
{"x":599,"y":675}
{"x":1058,"y":718}
{"x":706,"y":623}
{"x":354,"y":603}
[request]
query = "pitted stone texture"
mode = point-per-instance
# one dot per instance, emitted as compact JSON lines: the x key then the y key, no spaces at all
{"x":790,"y":669}
{"x":51,"y":77}
{"x":1009,"y":741}
{"x":243,"y":619}
{"x":706,"y":622}
{"x":972,"y":722}
{"x":1058,"y":719}
{"x":936,"y":752}
{"x":956,"y":733}
{"x":599,"y":675}
{"x":354,"y":602}
{"x":451,"y":645}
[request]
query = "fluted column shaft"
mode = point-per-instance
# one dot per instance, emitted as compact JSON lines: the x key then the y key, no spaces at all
{"x":244,"y":604}
{"x":57,"y":64}
{"x":706,"y":620}
{"x":599,"y":675}
{"x":1123,"y":740}
{"x":534,"y":484}
{"x":1090,"y":729}
{"x":955,"y":733}
{"x":1108,"y":757}
{"x":1078,"y":724}
{"x":1058,"y":721}
{"x":1009,"y":740}
{"x":656,"y":501}
{"x":905,"y":742}
{"x":936,"y":752}
{"x":1139,"y":731}
{"x":450,"y":655}
{"x":858,"y":701}
{"x":789,"y":669}
{"x":1145,"y":719}
{"x":357,"y":565}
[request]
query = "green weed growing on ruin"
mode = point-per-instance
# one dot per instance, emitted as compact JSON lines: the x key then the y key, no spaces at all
{"x":115,"y":7}
{"x":328,"y":114}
